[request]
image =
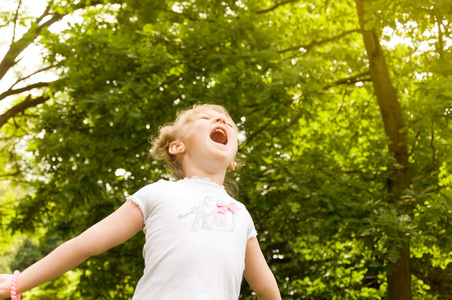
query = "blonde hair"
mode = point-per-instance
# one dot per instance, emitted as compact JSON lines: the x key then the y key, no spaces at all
{"x":173,"y":131}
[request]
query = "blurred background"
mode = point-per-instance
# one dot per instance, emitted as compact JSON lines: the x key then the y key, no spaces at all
{"x":345,"y":117}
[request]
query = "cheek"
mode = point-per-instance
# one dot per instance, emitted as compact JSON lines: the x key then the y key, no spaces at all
{"x":236,"y":146}
{"x":235,"y":138}
{"x":192,"y":134}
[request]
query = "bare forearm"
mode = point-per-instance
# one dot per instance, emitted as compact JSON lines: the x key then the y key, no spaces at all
{"x":269,"y":292}
{"x":258,"y":274}
{"x":64,"y":258}
{"x":275,"y":296}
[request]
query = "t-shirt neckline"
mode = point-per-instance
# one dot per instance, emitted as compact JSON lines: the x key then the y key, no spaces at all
{"x":202,"y":180}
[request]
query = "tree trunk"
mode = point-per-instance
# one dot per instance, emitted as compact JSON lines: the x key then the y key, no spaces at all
{"x":399,"y":278}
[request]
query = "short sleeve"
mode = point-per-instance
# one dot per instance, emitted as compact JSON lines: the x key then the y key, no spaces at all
{"x":252,"y":233}
{"x":251,"y":228}
{"x":142,"y":198}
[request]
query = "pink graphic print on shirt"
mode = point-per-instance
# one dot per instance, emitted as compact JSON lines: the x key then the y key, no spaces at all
{"x":212,"y":214}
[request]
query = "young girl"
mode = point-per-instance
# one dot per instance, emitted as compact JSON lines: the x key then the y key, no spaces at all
{"x":199,"y":240}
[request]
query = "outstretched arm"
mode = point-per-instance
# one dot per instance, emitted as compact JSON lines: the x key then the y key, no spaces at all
{"x":258,"y":274}
{"x":111,"y":231}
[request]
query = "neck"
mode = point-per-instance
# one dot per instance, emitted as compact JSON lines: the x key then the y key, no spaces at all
{"x":218,"y":178}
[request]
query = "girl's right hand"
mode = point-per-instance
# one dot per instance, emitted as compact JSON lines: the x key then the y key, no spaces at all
{"x":5,"y":284}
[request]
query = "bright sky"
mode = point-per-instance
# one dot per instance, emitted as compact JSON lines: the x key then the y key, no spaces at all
{"x":31,"y":60}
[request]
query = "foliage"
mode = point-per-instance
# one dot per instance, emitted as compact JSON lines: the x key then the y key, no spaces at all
{"x":315,"y":161}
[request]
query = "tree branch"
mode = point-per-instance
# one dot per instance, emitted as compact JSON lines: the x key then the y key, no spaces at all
{"x":16,"y":16}
{"x":309,"y":46}
{"x":263,"y":11}
{"x":11,"y":92}
{"x":29,"y":75}
{"x":16,"y":48}
{"x":43,"y":15}
{"x":21,"y":107}
{"x":349,"y":80}
{"x":7,"y":175}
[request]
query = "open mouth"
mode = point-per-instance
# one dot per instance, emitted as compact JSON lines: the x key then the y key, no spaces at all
{"x":219,"y":136}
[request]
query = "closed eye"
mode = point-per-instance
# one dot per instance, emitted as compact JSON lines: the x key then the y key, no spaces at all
{"x":206,"y":117}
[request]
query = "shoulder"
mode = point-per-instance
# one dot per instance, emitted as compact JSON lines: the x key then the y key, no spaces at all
{"x":147,"y":196}
{"x":151,"y":189}
{"x":237,"y":202}
{"x":243,"y":208}
{"x":158,"y":184}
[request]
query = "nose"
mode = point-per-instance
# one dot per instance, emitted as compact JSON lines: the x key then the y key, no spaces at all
{"x":220,"y":120}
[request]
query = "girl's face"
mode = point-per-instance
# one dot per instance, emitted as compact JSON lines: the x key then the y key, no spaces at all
{"x":210,"y":137}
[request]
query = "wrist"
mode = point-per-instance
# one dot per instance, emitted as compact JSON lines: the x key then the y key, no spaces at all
{"x":13,"y":290}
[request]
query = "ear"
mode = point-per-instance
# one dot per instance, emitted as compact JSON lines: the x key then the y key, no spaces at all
{"x":232,"y":166}
{"x":176,"y":148}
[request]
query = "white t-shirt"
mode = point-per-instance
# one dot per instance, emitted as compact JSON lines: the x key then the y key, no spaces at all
{"x":196,"y":237}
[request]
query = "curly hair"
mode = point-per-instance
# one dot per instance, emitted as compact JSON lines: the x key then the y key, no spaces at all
{"x":172,"y":131}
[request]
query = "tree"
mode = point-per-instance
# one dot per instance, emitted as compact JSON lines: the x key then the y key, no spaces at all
{"x":323,"y":172}
{"x":27,"y":89}
{"x":37,"y":28}
{"x":399,"y":279}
